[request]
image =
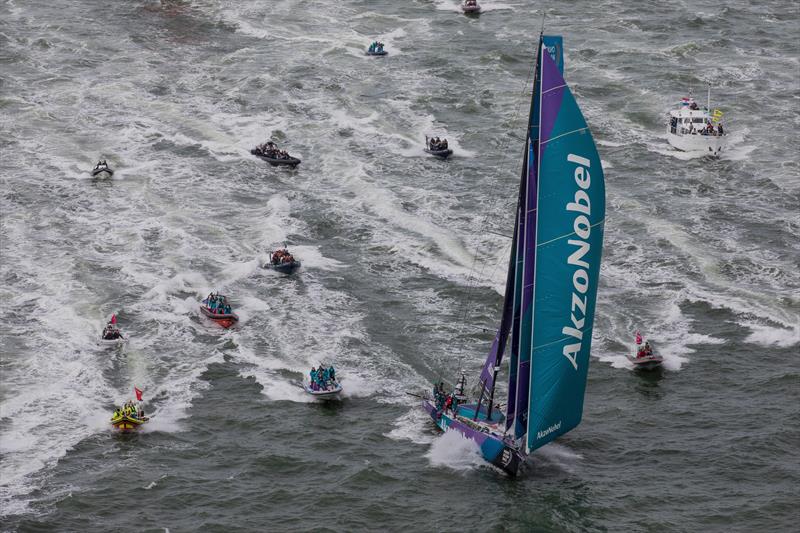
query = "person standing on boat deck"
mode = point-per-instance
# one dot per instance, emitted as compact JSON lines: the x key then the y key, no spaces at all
{"x":719,"y":129}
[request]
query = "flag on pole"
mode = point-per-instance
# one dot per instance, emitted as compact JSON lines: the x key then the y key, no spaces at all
{"x":638,"y":338}
{"x":138,"y":394}
{"x":113,"y":319}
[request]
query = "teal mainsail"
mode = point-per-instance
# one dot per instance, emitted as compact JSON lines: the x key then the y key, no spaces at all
{"x":569,"y":238}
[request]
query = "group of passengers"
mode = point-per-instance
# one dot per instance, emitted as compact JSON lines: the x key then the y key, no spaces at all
{"x":437,"y":144}
{"x":323,"y":379}
{"x":708,"y":129}
{"x":376,"y":47}
{"x":644,"y":351}
{"x":470,"y":3}
{"x":217,"y":304}
{"x":129,"y":409}
{"x":281,"y":257}
{"x":443,"y":400}
{"x":101,"y":165}
{"x":269,"y":149}
{"x":112,"y":332}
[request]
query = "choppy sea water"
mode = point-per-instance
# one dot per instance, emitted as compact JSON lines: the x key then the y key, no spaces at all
{"x":403,"y":264}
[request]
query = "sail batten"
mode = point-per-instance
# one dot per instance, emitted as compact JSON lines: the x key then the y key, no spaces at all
{"x":565,"y":134}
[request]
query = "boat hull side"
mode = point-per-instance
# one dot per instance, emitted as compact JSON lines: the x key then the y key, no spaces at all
{"x":284,"y":268}
{"x":493,"y":448}
{"x":708,"y":144}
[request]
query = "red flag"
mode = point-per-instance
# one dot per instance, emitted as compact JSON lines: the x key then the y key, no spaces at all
{"x":113,"y":319}
{"x":638,"y":338}
{"x":138,"y":394}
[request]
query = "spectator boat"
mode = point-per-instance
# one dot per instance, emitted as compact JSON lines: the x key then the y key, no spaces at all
{"x":695,"y":129}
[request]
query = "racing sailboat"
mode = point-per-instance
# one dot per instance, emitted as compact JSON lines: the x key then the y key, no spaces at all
{"x":551,"y":285}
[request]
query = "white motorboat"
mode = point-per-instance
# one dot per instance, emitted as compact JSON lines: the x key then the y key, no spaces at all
{"x":331,"y":392}
{"x":695,"y":129}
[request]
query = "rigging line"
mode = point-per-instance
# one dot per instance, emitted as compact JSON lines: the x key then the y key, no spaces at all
{"x":472,"y":282}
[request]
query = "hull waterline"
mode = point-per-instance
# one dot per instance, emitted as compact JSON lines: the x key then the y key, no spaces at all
{"x":284,"y":268}
{"x":224,"y":320}
{"x":127,"y":424}
{"x":494,"y":448}
{"x":324,"y":395}
{"x":650,"y":362}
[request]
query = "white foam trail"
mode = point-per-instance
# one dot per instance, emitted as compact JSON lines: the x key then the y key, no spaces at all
{"x":454,"y":451}
{"x":558,"y":455}
{"x":412,"y":427}
{"x":772,"y":336}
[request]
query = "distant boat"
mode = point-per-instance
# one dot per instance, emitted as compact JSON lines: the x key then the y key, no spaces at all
{"x":551,"y":285}
{"x":643,"y":357}
{"x":112,"y":336}
{"x":471,"y":7}
{"x":130,"y":417}
{"x":276,"y":160}
{"x":282,"y":261}
{"x":216,"y":307}
{"x":695,"y":129}
{"x":376,"y":49}
{"x":439,"y":150}
{"x":102,"y":168}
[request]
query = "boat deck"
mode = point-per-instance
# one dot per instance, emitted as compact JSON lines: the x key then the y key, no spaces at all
{"x":468,"y":411}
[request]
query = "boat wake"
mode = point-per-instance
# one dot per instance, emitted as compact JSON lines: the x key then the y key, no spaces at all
{"x":454,"y":451}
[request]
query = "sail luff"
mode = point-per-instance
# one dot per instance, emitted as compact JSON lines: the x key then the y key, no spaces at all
{"x":529,"y":256}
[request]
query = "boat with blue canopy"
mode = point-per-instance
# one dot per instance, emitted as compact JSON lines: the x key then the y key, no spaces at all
{"x":551,"y":285}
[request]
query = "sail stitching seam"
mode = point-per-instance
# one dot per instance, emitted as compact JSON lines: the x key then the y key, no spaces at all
{"x":564,"y":134}
{"x":553,"y":88}
{"x":562,"y":339}
{"x":568,"y":234}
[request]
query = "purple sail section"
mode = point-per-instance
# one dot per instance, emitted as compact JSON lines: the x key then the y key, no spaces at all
{"x":519,"y":228}
{"x":514,"y":358}
{"x":492,"y":360}
{"x":553,"y":87}
{"x":525,"y":328}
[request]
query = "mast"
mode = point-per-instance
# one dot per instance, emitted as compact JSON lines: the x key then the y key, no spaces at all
{"x":708,"y":107}
{"x":529,"y":256}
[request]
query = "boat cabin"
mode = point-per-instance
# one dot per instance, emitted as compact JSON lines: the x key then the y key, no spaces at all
{"x":686,"y":121}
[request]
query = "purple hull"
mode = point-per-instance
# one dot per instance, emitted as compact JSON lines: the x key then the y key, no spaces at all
{"x":494,"y":448}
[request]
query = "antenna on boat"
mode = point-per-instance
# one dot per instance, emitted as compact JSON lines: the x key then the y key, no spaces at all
{"x":709,"y":97}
